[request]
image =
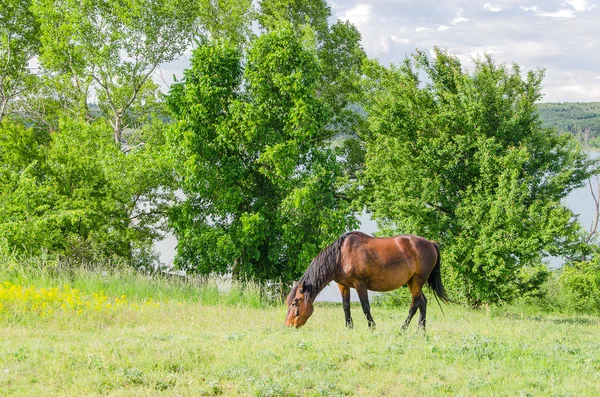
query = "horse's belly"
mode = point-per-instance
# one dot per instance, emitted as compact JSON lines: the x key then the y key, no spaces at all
{"x":388,"y":281}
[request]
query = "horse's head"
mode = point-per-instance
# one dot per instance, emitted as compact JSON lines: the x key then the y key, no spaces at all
{"x":300,"y":307}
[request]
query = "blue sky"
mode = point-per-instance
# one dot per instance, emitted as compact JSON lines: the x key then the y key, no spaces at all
{"x":560,"y":36}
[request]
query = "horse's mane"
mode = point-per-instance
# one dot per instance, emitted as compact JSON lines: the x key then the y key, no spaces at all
{"x":324,"y":266}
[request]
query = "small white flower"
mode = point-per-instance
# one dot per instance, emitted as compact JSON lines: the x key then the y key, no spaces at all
{"x":6,"y":371}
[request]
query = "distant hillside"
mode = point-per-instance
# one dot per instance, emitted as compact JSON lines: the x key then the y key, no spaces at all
{"x":582,"y":119}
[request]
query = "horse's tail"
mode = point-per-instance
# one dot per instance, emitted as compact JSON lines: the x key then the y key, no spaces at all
{"x":435,"y":279}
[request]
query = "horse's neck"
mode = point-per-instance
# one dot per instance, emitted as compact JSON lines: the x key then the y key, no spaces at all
{"x":318,"y":287}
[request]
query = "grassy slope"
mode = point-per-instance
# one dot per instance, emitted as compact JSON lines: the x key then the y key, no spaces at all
{"x":192,"y":349}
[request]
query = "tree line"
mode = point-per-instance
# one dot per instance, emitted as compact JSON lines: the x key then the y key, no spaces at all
{"x":237,"y":157}
{"x":580,"y":119}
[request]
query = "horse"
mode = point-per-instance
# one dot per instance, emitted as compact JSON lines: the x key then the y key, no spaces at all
{"x":357,"y":260}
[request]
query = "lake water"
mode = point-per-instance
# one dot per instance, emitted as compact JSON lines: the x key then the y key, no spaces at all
{"x":580,"y":201}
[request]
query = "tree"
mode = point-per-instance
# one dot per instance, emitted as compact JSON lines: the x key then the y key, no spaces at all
{"x":463,"y":159}
{"x":63,"y":193}
{"x":19,"y":43}
{"x":263,"y":191}
{"x":67,"y":190}
{"x":338,"y":50}
{"x":111,"y":48}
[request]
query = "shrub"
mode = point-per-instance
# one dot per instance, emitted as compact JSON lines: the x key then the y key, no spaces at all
{"x":580,"y":284}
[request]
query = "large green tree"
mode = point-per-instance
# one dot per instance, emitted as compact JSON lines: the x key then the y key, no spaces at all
{"x":263,"y":190}
{"x":462,"y":158}
{"x":63,"y":194}
{"x":338,"y":50}
{"x":19,"y":43}
{"x":112,"y":48}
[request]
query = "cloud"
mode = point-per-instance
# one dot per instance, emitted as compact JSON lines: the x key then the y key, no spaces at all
{"x":492,"y":7}
{"x":560,"y":36}
{"x":564,"y":13}
{"x":534,"y":8}
{"x":459,"y":17}
{"x":397,"y":39}
{"x":359,"y":15}
{"x":574,"y":7}
{"x":580,"y":5}
{"x":458,"y":20}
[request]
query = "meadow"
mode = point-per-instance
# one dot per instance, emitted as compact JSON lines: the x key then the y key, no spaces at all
{"x":125,"y":334}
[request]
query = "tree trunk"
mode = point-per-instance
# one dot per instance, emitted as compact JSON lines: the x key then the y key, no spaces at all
{"x":117,"y":127}
{"x":235,"y":270}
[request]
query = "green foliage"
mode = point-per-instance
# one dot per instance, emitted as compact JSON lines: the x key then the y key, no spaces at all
{"x":580,"y":119}
{"x":112,"y":47}
{"x":338,"y":50}
{"x":464,"y":160}
{"x":64,"y":194}
{"x":19,"y":42}
{"x":226,"y":19}
{"x":297,"y":12}
{"x":262,"y":188}
{"x":581,"y":286}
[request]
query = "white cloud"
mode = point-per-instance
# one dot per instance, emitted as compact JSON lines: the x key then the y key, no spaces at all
{"x":572,"y":93}
{"x":492,"y":7}
{"x":534,"y":8}
{"x":359,"y":15}
{"x":562,"y":13}
{"x":581,"y":5}
{"x":554,"y":35}
{"x":397,"y":39}
{"x":459,"y":18}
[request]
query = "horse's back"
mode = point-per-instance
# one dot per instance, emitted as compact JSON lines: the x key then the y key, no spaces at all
{"x":385,"y":263}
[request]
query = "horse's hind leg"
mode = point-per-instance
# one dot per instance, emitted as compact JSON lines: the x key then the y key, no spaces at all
{"x":418,"y":302}
{"x":414,"y":305}
{"x":345,"y":291}
{"x":363,"y":295}
{"x":423,"y":311}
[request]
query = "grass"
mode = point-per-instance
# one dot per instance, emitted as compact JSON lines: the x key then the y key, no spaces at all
{"x":134,"y":285}
{"x":224,"y":346}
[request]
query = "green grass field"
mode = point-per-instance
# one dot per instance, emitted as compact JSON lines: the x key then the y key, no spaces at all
{"x":202,"y":346}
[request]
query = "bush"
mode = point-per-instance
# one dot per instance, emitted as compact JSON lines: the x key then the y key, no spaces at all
{"x":580,"y":285}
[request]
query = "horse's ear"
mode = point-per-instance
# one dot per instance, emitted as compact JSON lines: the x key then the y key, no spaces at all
{"x":294,"y":284}
{"x":301,"y":287}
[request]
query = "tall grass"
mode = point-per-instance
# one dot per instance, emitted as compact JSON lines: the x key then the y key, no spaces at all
{"x":135,"y":285}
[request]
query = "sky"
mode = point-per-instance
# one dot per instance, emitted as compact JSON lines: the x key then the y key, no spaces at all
{"x":562,"y":37}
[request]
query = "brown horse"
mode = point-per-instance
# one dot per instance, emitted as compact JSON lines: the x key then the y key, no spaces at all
{"x":357,"y":260}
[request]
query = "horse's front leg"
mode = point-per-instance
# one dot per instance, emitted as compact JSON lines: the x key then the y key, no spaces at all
{"x":345,"y":291}
{"x":363,"y":295}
